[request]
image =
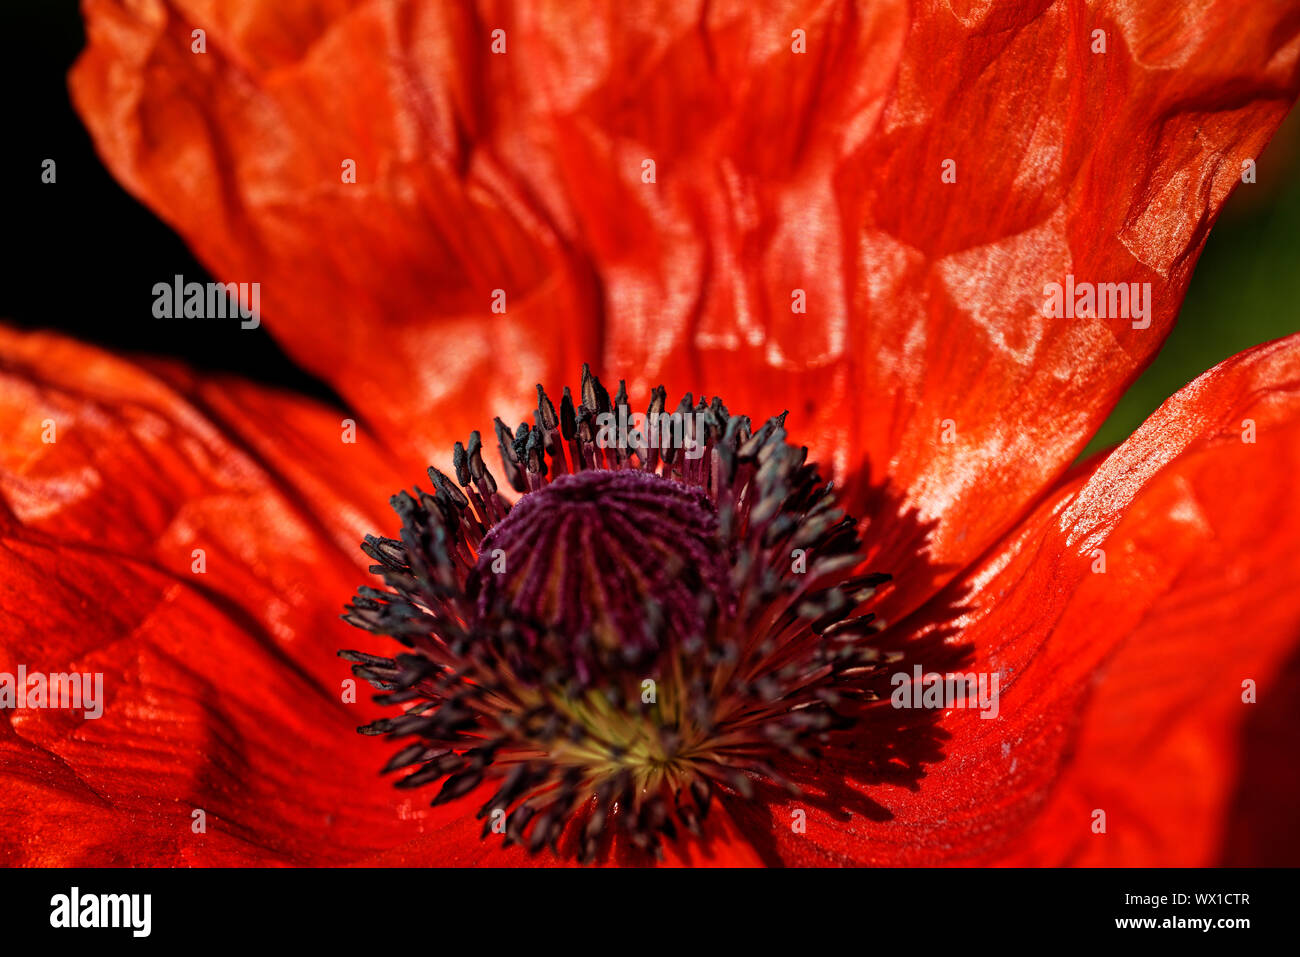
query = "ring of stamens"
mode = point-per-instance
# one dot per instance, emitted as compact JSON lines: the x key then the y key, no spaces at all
{"x":662,"y":614}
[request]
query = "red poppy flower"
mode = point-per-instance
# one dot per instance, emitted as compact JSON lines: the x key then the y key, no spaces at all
{"x":658,"y":192}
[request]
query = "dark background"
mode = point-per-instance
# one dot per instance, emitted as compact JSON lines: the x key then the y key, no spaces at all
{"x":81,"y":256}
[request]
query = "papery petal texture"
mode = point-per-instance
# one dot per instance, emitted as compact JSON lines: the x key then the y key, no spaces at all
{"x":181,"y":540}
{"x":1121,"y":620}
{"x":796,"y":149}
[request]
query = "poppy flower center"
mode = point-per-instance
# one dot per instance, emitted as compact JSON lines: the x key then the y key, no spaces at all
{"x":665,"y":615}
{"x":609,"y":561}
